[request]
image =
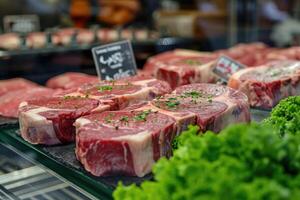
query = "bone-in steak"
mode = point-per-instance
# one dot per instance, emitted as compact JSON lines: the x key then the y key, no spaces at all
{"x":183,"y":71}
{"x":123,"y":142}
{"x":212,"y":106}
{"x":266,"y":85}
{"x":173,"y":56}
{"x":50,"y":120}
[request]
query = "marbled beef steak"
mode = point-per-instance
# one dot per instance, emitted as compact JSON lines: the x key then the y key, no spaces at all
{"x":183,"y":71}
{"x":123,"y":142}
{"x":181,"y":67}
{"x":50,"y":120}
{"x":212,"y":106}
{"x":266,"y":85}
{"x":172,"y":56}
{"x":128,"y":142}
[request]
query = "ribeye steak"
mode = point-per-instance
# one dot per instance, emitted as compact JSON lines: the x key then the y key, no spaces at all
{"x":123,"y":142}
{"x":50,"y":120}
{"x":183,"y":71}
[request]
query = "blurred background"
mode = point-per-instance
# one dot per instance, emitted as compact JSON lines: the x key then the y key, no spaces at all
{"x":153,"y":26}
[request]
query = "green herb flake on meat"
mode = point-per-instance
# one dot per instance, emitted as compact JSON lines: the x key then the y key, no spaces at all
{"x":192,"y":62}
{"x":142,"y":116}
{"x":105,"y":88}
{"x":109,"y":118}
{"x":124,"y":119}
{"x":172,"y":104}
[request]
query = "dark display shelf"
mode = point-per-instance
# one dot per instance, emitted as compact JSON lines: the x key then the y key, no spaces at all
{"x":41,"y":64}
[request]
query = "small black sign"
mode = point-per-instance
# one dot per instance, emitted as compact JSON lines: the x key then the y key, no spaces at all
{"x":226,"y":66}
{"x":115,"y":60}
{"x":21,"y":23}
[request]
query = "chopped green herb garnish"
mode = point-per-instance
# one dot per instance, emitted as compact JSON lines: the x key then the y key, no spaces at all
{"x":193,"y":94}
{"x":193,"y":62}
{"x":275,"y":73}
{"x":104,"y":88}
{"x":66,"y":97}
{"x":108,"y":118}
{"x":124,"y":119}
{"x":172,"y":104}
{"x":172,"y":98}
{"x":142,"y":116}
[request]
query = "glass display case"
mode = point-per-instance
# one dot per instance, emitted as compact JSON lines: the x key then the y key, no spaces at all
{"x":23,"y":178}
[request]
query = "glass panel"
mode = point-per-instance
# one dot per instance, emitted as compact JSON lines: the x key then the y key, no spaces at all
{"x":23,"y":179}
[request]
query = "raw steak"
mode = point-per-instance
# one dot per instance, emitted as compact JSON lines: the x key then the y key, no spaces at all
{"x":123,"y":142}
{"x":248,"y":54}
{"x":266,"y":85}
{"x":13,"y":84}
{"x":212,"y":106}
{"x":50,"y":120}
{"x":183,"y":71}
{"x":70,"y":80}
{"x":129,"y":142}
{"x":9,"y":102}
{"x":172,"y":56}
{"x":10,"y":41}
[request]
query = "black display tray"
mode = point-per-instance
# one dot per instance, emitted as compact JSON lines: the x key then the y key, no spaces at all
{"x":66,"y":156}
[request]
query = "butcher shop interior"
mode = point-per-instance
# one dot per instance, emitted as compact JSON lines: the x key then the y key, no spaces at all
{"x":149,"y":99}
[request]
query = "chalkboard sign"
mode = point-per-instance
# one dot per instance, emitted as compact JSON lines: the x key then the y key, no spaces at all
{"x":226,"y":66}
{"x":21,"y":23}
{"x":115,"y":60}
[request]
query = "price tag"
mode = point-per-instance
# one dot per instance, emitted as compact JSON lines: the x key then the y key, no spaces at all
{"x":21,"y":23}
{"x":115,"y":60}
{"x":226,"y":66}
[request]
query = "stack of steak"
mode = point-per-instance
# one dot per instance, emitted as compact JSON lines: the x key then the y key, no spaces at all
{"x":130,"y":141}
{"x":123,"y":127}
